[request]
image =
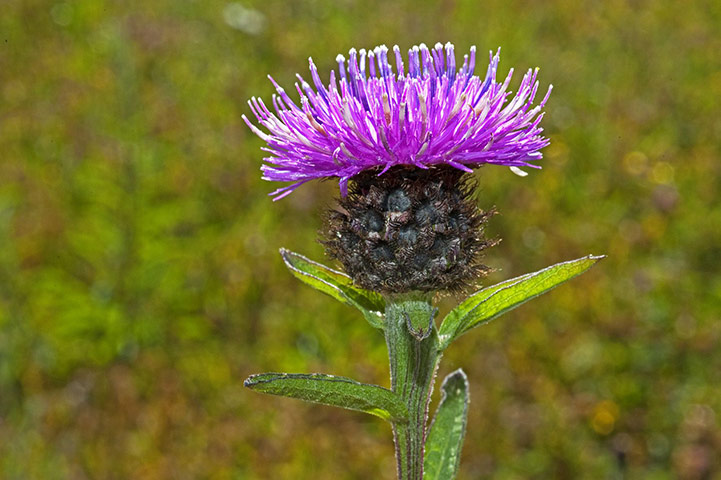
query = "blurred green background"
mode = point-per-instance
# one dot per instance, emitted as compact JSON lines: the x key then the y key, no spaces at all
{"x":140,"y":281}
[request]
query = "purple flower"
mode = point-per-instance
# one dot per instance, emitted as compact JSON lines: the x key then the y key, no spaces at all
{"x":372,"y":118}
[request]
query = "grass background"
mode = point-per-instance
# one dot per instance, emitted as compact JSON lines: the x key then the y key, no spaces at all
{"x":140,"y":281}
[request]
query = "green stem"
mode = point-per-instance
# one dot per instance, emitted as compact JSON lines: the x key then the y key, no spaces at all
{"x":413,"y":350}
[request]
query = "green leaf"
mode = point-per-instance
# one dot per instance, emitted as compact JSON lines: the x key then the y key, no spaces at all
{"x":445,"y":438}
{"x":336,"y":284}
{"x":334,"y":391}
{"x":485,"y":305}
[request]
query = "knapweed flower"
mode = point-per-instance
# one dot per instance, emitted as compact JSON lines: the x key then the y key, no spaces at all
{"x":400,"y":143}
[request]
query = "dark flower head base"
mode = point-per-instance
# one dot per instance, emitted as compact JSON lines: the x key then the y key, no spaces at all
{"x":409,"y":230}
{"x":372,"y":118}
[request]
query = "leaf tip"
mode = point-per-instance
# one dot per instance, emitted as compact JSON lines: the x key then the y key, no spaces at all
{"x":284,"y":253}
{"x":260,"y":378}
{"x":595,"y":258}
{"x":455,"y":379}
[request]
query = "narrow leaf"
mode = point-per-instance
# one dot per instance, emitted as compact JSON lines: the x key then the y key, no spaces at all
{"x":485,"y":305}
{"x":336,"y":284}
{"x":334,"y":391}
{"x":445,"y":438}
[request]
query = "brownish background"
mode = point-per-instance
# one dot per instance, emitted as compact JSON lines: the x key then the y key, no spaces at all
{"x":140,"y":281}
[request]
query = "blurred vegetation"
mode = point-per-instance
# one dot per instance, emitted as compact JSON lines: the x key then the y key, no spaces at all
{"x":140,"y":281}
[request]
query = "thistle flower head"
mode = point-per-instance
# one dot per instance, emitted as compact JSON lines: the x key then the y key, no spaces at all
{"x":426,"y":113}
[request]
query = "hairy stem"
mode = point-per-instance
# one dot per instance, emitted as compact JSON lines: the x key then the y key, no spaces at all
{"x":413,"y":350}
